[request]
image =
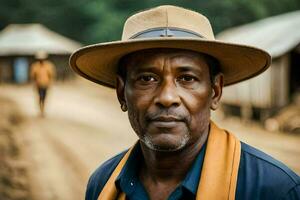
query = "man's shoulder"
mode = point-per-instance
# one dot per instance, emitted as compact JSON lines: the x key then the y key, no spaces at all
{"x":34,"y":65}
{"x":261,"y":175}
{"x":49,"y":63}
{"x":100,"y":176}
{"x":268,"y":162}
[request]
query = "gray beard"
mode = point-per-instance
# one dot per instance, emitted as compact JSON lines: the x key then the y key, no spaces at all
{"x":147,"y":140}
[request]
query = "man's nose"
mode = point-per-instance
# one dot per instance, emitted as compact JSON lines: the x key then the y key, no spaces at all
{"x":167,"y":95}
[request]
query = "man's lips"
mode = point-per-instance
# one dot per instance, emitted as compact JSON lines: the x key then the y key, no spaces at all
{"x":166,"y":121}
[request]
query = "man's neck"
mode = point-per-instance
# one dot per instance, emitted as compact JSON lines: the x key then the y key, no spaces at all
{"x":168,"y":168}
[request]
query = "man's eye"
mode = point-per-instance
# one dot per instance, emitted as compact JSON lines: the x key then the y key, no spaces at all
{"x":187,"y":78}
{"x":147,"y":78}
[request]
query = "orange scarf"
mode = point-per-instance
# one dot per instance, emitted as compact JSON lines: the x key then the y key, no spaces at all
{"x":219,"y":172}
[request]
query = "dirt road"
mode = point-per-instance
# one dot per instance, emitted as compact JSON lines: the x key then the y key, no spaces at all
{"x":73,"y":139}
{"x":84,"y":126}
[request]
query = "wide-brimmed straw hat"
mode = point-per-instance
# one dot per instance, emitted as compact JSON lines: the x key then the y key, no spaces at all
{"x":41,"y":55}
{"x":168,"y":27}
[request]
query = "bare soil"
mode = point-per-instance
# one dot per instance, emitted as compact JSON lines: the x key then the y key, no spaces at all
{"x":13,"y":168}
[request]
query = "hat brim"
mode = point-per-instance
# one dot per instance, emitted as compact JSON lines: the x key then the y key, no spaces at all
{"x":99,"y":62}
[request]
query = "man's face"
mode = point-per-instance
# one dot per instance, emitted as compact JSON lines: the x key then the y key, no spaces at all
{"x":169,"y":94}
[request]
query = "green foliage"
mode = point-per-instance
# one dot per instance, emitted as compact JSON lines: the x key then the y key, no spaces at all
{"x":106,"y":20}
{"x":62,"y":16}
{"x":93,"y":21}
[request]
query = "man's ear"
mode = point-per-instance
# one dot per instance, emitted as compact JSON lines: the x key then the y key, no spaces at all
{"x":217,"y":88}
{"x":120,"y":89}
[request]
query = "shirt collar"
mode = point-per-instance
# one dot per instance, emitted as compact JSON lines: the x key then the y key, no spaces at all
{"x":128,"y":176}
{"x":191,"y":180}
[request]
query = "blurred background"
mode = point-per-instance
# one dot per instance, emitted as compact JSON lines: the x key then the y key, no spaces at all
{"x":52,"y":157}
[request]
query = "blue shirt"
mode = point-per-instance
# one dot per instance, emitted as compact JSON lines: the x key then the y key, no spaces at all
{"x":260,"y":177}
{"x":129,"y":183}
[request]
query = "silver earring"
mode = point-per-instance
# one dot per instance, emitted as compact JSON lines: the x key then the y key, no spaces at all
{"x":123,"y":107}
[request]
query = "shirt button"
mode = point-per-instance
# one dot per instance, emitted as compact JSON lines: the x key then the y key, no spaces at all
{"x":131,"y":183}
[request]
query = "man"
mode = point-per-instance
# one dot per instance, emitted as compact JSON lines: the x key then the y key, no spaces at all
{"x":43,"y":74}
{"x":168,"y":71}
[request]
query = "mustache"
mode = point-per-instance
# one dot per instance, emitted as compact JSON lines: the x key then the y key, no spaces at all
{"x":166,"y":115}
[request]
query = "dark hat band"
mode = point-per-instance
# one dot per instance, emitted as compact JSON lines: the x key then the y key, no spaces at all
{"x":166,"y":32}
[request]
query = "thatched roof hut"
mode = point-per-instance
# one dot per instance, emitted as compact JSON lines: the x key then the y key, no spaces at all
{"x":275,"y":88}
{"x":20,"y":42}
{"x":27,"y":39}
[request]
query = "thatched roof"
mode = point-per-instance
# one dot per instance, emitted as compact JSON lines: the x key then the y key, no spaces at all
{"x":27,"y":39}
{"x":277,"y":35}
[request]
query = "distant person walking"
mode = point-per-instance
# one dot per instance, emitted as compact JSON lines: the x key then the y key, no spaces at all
{"x":43,"y":74}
